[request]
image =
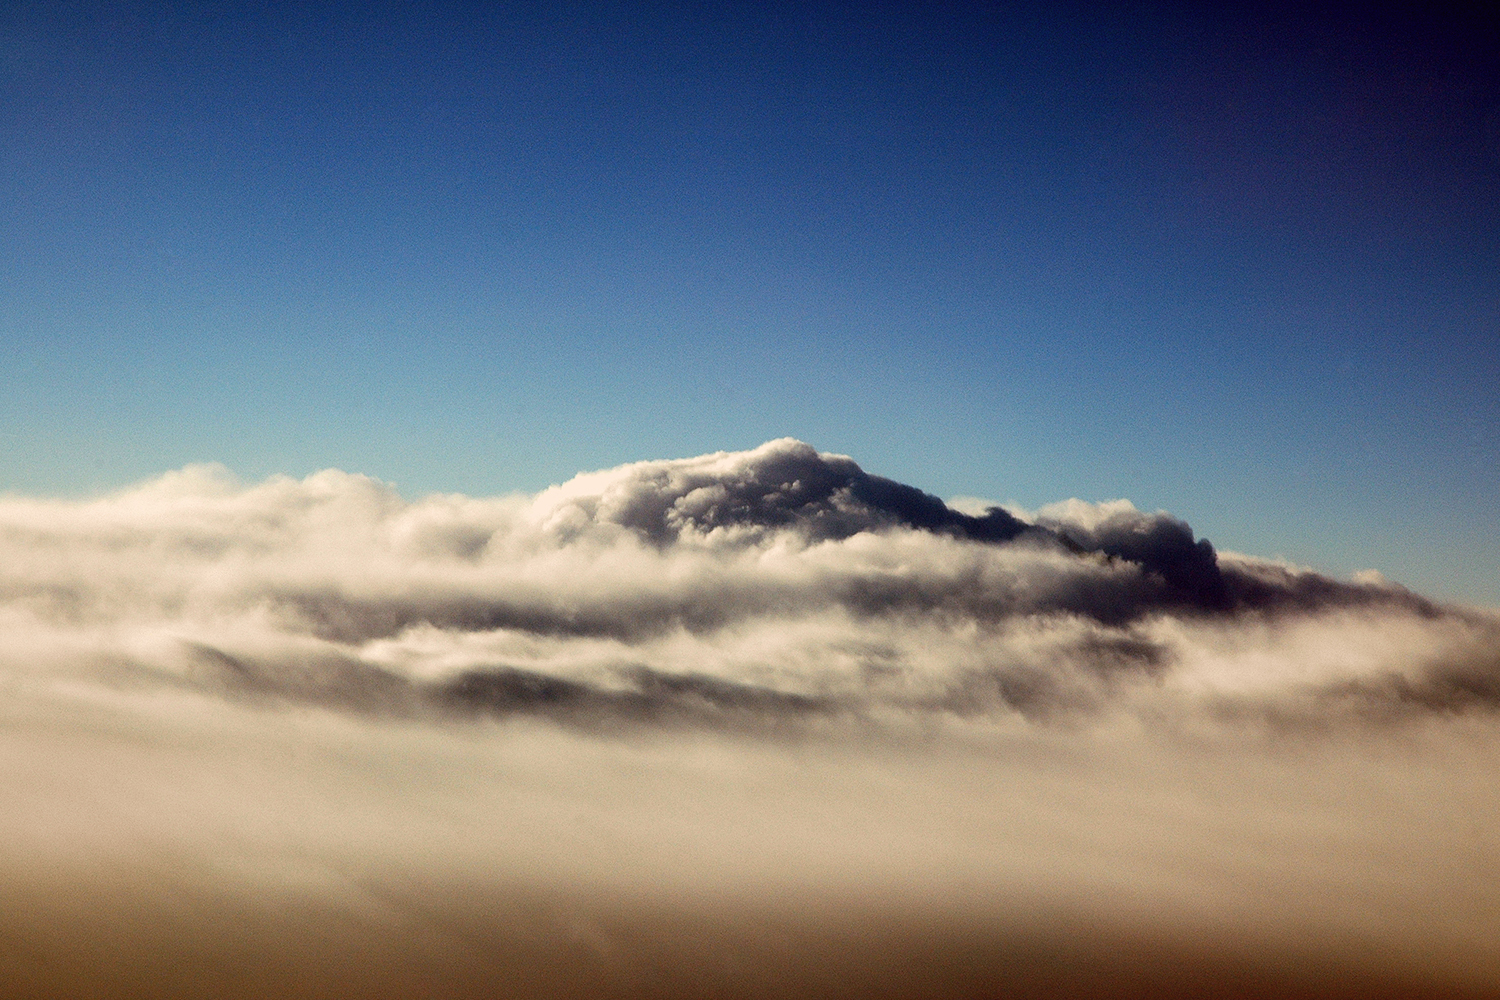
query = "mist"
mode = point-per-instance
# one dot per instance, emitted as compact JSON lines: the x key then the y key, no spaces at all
{"x":747,"y":724}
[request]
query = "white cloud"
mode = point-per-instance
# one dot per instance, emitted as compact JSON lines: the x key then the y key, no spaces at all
{"x":742,"y":673}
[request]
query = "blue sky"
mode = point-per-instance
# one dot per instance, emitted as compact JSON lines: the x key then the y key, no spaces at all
{"x":1244,"y":267}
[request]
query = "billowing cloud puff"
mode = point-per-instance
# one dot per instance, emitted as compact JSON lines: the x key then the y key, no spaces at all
{"x":745,"y":677}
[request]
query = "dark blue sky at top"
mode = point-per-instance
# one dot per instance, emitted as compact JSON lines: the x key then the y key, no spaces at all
{"x":1245,"y":267}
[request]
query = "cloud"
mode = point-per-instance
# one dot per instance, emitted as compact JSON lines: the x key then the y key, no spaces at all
{"x":773,"y":581}
{"x":762,"y":680}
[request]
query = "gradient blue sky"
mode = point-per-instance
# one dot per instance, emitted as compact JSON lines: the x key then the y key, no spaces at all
{"x":1242,"y":267}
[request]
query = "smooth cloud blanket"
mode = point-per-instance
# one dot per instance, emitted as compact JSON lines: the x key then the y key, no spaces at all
{"x":739,"y":639}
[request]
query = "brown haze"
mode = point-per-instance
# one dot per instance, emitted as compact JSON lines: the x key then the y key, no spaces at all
{"x":745,"y":725}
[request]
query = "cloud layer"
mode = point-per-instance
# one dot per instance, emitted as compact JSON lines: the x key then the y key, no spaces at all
{"x":742,"y":679}
{"x":775,"y":584}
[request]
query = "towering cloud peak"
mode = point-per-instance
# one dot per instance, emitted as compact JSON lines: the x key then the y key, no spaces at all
{"x":788,"y":486}
{"x":783,"y":484}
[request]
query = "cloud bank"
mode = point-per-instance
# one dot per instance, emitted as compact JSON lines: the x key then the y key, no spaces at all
{"x":738,"y":639}
{"x":773,"y":583}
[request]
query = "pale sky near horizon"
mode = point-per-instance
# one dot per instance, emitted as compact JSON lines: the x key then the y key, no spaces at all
{"x":1241,"y":267}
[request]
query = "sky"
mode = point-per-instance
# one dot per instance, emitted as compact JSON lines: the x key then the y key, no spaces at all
{"x":749,"y":500}
{"x":1244,"y":267}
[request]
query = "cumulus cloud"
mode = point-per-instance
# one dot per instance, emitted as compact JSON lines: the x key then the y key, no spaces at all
{"x":683,"y":632}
